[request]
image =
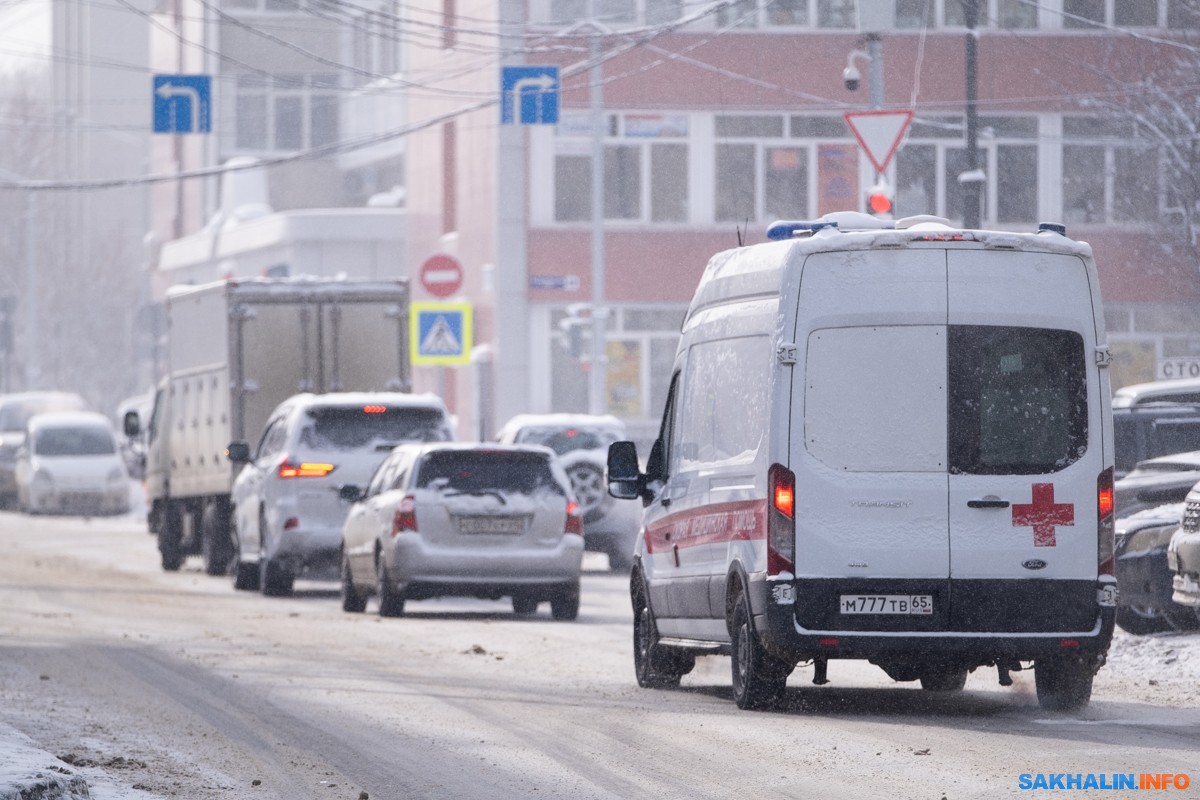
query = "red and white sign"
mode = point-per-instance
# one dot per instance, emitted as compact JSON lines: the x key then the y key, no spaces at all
{"x":1043,"y":515}
{"x":879,"y":133}
{"x":441,"y":275}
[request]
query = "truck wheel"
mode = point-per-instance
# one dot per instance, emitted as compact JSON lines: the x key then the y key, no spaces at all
{"x":275,"y":581}
{"x":216,"y":543}
{"x":353,"y":601}
{"x":1063,"y":684}
{"x":656,"y":667}
{"x":1141,"y":620}
{"x":758,"y":677}
{"x":170,"y":537}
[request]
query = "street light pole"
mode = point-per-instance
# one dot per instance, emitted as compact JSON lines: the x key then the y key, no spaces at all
{"x":970,"y":181}
{"x":598,"y":369}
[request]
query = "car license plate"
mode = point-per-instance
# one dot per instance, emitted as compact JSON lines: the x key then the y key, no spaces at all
{"x":919,"y":604}
{"x":491,"y":524}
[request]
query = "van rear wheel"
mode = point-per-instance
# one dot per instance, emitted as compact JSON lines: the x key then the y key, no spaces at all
{"x":1063,"y":684}
{"x":758,"y":677}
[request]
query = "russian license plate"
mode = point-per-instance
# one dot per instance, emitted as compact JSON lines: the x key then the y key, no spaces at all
{"x":918,"y":604}
{"x":491,"y":524}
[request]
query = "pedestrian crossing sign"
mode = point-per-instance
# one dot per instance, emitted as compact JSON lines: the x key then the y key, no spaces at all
{"x":440,"y":333}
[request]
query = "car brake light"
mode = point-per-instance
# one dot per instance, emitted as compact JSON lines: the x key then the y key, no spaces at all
{"x":574,"y":519}
{"x":1105,"y":523}
{"x":374,"y":409}
{"x":305,"y":469}
{"x":405,"y":518}
{"x":781,"y":524}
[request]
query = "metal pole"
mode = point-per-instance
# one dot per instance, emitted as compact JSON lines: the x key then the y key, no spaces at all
{"x":875,"y":69}
{"x":598,"y":373}
{"x":972,"y":205}
{"x":32,"y":367}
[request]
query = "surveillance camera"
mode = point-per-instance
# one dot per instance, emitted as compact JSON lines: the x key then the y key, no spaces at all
{"x":851,"y":76}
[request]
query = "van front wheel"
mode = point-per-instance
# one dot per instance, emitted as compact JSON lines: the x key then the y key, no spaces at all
{"x":1063,"y":684}
{"x":758,"y":677}
{"x":655,"y":667}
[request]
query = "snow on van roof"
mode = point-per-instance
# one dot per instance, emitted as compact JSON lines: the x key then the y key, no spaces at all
{"x":758,"y":269}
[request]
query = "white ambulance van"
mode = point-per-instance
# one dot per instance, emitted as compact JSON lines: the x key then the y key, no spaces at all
{"x":891,"y":444}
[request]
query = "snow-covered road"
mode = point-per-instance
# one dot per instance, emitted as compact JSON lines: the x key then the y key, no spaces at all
{"x":155,"y":685}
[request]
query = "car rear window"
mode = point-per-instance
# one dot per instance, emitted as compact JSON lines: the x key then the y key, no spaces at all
{"x":74,"y":442}
{"x":564,"y":440}
{"x":1017,"y":399}
{"x":357,"y":427}
{"x":479,"y":471}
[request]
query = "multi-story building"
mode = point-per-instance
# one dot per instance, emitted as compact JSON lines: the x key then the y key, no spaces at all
{"x":75,"y":133}
{"x":720,"y":118}
{"x":309,"y":89}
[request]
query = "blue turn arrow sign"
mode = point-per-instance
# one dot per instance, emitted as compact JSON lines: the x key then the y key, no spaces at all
{"x":182,"y":103}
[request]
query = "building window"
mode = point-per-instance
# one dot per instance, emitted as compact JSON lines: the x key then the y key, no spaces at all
{"x":1099,"y":13}
{"x":930,"y":163}
{"x":286,"y":112}
{"x":616,"y":14}
{"x":1107,"y":176}
{"x":999,"y":13}
{"x":645,"y":168}
{"x":764,"y":178}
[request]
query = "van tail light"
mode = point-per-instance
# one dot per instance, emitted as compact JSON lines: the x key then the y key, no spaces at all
{"x":781,"y":520}
{"x":1105,"y":523}
{"x":574,"y":519}
{"x":405,"y":518}
{"x":305,"y":469}
{"x":291,"y":523}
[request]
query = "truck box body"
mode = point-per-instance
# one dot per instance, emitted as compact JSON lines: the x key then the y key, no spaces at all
{"x":235,"y":350}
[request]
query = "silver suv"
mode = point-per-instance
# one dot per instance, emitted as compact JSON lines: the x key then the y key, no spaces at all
{"x":581,"y":442}
{"x":288,"y":514}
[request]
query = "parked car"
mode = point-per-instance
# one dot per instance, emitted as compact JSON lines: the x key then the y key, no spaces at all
{"x":487,"y":521}
{"x":287,"y":511}
{"x":1144,"y":603}
{"x":69,"y":464}
{"x":1149,"y":505}
{"x":1153,"y":429}
{"x":1183,"y":557}
{"x":1184,"y":390}
{"x":15,"y":411}
{"x":1156,"y":482}
{"x":581,"y":442}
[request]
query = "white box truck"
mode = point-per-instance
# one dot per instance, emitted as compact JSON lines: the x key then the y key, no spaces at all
{"x":236,"y":349}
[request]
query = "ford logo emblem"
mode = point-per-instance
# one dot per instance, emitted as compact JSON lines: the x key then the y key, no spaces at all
{"x":1034,"y":563}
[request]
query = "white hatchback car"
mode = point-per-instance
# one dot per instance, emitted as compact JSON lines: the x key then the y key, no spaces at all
{"x":581,"y":442}
{"x":466,"y":520}
{"x":70,"y":464}
{"x":287,"y":511}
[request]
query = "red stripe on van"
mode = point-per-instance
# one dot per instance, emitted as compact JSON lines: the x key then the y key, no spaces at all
{"x":743,"y":520}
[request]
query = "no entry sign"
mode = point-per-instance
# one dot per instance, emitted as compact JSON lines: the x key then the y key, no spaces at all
{"x":441,"y":275}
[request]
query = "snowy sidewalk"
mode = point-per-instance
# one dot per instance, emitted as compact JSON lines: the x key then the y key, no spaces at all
{"x":29,"y":773}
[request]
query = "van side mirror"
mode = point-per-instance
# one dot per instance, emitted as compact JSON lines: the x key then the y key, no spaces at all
{"x":351,"y":493}
{"x":238,"y":452}
{"x":624,"y":479}
{"x":133,"y":424}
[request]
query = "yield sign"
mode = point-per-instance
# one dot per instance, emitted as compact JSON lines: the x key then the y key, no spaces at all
{"x":879,"y":133}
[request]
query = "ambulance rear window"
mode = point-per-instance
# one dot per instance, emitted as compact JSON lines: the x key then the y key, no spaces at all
{"x":1017,"y":400}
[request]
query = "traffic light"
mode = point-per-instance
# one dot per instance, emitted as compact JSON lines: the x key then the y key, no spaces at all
{"x":879,"y":200}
